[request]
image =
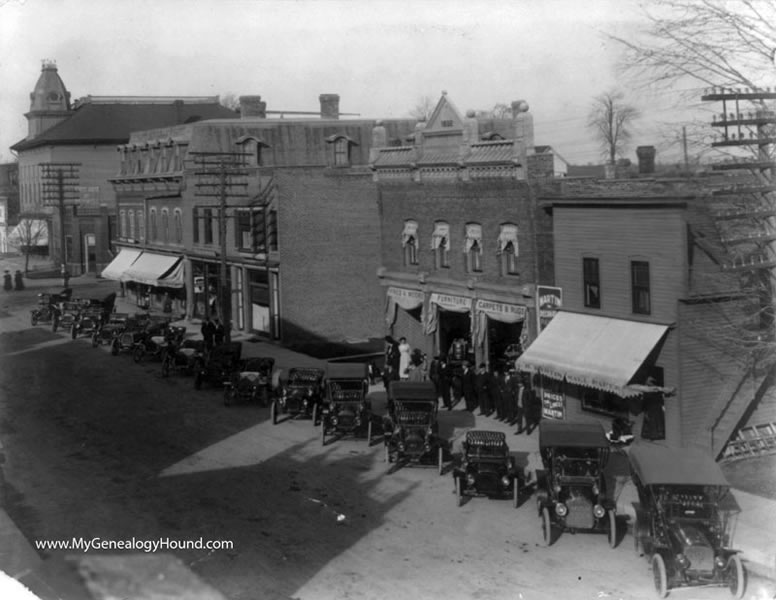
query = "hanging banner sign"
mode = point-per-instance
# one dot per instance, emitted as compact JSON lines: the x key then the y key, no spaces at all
{"x":454,"y":303}
{"x":407,"y":299}
{"x":498,"y":311}
{"x":548,"y":301}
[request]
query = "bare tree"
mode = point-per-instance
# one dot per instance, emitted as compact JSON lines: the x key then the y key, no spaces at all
{"x":423,"y":108}
{"x":230,"y":101}
{"x":28,"y":234}
{"x":712,"y":42}
{"x":499,"y":111}
{"x":611,"y":119}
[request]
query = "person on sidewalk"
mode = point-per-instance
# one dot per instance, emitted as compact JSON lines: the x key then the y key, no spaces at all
{"x":7,"y":281}
{"x":405,"y":356}
{"x":520,"y":413}
{"x":208,"y":331}
{"x":531,"y":403}
{"x":444,"y":383}
{"x":482,"y":384}
{"x":18,"y":280}
{"x":218,"y":332}
{"x":469,"y":386}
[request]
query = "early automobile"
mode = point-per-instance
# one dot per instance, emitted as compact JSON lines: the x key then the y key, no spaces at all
{"x":347,"y":410}
{"x":88,"y":322}
{"x":182,"y":356}
{"x":410,"y":430}
{"x":156,"y":340}
{"x":487,"y":468}
{"x":571,"y":491}
{"x":110,"y":329}
{"x":684,"y":519}
{"x":251,"y":381}
{"x":216,"y":367}
{"x":301,"y":396}
{"x":139,"y":327}
{"x":67,"y":316}
{"x":49,"y":306}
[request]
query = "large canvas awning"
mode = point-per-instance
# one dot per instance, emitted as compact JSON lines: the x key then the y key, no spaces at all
{"x":153,"y":269}
{"x":121,"y":263}
{"x":598,"y":352}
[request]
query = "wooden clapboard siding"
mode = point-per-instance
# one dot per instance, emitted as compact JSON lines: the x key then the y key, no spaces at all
{"x":616,"y":236}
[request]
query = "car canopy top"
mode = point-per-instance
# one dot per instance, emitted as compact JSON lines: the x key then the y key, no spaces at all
{"x":553,"y":434}
{"x":305,"y":375}
{"x":413,"y":390}
{"x":659,"y":465}
{"x":337,"y":370}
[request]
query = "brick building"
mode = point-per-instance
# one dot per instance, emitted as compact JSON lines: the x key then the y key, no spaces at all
{"x":464,"y":242}
{"x":653,"y":329}
{"x":301,"y":226}
{"x":86,"y":133}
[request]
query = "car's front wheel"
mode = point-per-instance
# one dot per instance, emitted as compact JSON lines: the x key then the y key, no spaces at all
{"x":515,"y":492}
{"x":166,"y":366}
{"x":546,"y":526}
{"x":659,"y":575}
{"x":138,"y":352}
{"x":458,"y":491}
{"x":736,"y":576}
{"x":440,"y":459}
{"x":612,"y":532}
{"x":114,"y":348}
{"x":273,"y":413}
{"x":95,"y":340}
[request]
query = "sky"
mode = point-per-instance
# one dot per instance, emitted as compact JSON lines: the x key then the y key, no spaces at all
{"x":380,"y":56}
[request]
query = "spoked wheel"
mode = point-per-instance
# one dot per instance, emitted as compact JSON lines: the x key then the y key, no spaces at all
{"x":273,"y":413}
{"x":637,"y":545}
{"x":369,"y":432}
{"x":612,"y":532}
{"x":546,"y":527}
{"x":458,"y":493}
{"x":736,"y":576}
{"x":440,"y":460}
{"x":659,"y":575}
{"x":515,"y":492}
{"x":137,"y":353}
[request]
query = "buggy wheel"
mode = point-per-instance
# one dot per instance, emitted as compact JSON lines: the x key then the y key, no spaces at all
{"x":138,"y":352}
{"x":737,"y":576}
{"x":440,"y":459}
{"x":659,"y":575}
{"x":273,"y":413}
{"x":114,"y":348}
{"x":612,"y":532}
{"x":515,"y":492}
{"x":546,"y":527}
{"x":166,"y":366}
{"x":458,"y":493}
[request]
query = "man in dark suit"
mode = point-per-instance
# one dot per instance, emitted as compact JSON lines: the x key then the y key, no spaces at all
{"x":483,"y":384}
{"x":469,"y":386}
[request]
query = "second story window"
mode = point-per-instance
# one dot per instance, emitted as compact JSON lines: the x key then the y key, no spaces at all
{"x":131,"y":219}
{"x":178,"y":219}
{"x":508,"y":249}
{"x":473,"y":248}
{"x":154,"y":233}
{"x":141,"y":225}
{"x":208,"y":222}
{"x":440,"y":244}
{"x":195,"y":224}
{"x":123,"y":230}
{"x":640,"y":287}
{"x":165,"y":226}
{"x":409,"y":241}
{"x":591,"y":282}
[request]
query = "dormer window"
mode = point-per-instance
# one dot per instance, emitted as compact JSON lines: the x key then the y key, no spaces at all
{"x":252,"y":149}
{"x":340,"y":150}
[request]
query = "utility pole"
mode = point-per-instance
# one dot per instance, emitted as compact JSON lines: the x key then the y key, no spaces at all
{"x":222,"y":175}
{"x":59,"y":187}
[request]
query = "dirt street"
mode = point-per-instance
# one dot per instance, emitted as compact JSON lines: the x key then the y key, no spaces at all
{"x":98,"y":446}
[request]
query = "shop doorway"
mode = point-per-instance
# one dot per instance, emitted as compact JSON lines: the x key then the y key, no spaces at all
{"x":503,"y":342}
{"x":453,"y":326}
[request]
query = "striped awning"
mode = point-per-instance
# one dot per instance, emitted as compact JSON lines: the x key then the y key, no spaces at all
{"x":158,"y":270}
{"x":121,"y":263}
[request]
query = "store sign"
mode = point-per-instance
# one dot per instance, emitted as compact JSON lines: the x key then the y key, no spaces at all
{"x":498,"y":311}
{"x":407,"y":299}
{"x":548,"y":301}
{"x":553,"y":405}
{"x":454,"y":303}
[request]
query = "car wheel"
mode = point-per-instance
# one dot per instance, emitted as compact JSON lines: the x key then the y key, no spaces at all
{"x":227,"y":396}
{"x":95,"y":341}
{"x":166,"y":367}
{"x":73,"y":332}
{"x":369,"y":433}
{"x":137,"y":354}
{"x":659,"y":575}
{"x":737,"y":576}
{"x":198,"y":380}
{"x":273,"y":413}
{"x":612,"y":529}
{"x":315,"y":415}
{"x":440,"y":459}
{"x":515,"y":492}
{"x":114,"y":348}
{"x":637,"y":545}
{"x":546,"y":527}
{"x":54,"y":326}
{"x":458,"y":492}
{"x":34,"y":319}
{"x":323,"y":432}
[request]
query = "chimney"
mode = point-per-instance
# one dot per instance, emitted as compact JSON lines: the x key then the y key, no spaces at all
{"x":646,"y":156}
{"x":329,"y":106}
{"x":252,"y":106}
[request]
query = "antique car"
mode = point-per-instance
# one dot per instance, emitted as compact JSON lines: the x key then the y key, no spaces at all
{"x":182,"y":356}
{"x":49,"y":306}
{"x":571,"y":491}
{"x":67,"y":316}
{"x":250,"y":381}
{"x":156,"y":340}
{"x":216,"y":367}
{"x":110,"y":329}
{"x":684,"y":519}
{"x":301,"y":395}
{"x":139,"y":327}
{"x":88,"y":322}
{"x":410,"y":430}
{"x":347,"y":412}
{"x":487,"y":468}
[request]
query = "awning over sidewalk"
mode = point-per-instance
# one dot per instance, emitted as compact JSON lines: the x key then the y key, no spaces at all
{"x":121,"y":263}
{"x":598,"y":352}
{"x":153,"y":269}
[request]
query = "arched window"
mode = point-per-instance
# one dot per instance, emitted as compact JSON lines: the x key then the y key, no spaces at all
{"x":178,"y":218}
{"x":123,"y":223}
{"x":141,"y":225}
{"x":440,"y":244}
{"x":473,"y":247}
{"x":165,"y":226}
{"x":508,"y":248}
{"x":131,"y":218}
{"x":152,"y":222}
{"x":409,"y":241}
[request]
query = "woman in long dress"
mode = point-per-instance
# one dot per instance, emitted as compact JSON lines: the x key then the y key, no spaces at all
{"x":404,"y":358}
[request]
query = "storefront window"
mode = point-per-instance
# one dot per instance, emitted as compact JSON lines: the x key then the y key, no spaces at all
{"x":592,"y":283}
{"x":640,"y":287}
{"x":603,"y":402}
